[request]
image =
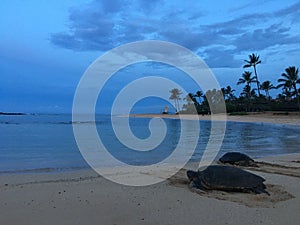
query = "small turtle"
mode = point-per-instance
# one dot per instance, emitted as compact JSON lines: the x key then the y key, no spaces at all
{"x":227,"y":178}
{"x":238,"y":159}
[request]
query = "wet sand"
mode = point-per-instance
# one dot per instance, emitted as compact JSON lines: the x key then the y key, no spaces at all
{"x":84,"y":197}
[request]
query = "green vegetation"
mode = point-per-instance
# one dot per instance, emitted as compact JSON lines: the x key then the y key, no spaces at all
{"x":250,"y":99}
{"x":175,"y":95}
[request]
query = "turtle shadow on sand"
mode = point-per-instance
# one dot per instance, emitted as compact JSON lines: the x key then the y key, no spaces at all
{"x":244,"y":161}
{"x":277,"y":193}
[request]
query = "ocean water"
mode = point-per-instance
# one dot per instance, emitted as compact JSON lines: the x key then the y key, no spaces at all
{"x":45,"y":143}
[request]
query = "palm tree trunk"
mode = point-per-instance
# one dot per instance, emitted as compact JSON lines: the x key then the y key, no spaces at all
{"x":178,"y":105}
{"x":268,"y":94}
{"x":257,"y":82}
{"x":269,"y":97}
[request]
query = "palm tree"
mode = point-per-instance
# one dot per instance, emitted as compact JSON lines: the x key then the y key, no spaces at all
{"x":267,"y":86}
{"x":228,"y":93}
{"x":290,"y":79}
{"x":254,"y":61}
{"x":286,"y":91}
{"x":191,"y":101}
{"x":215,"y":99}
{"x":175,"y":95}
{"x":199,"y":94}
{"x":188,"y":98}
{"x":247,"y":91}
{"x":246,"y":78}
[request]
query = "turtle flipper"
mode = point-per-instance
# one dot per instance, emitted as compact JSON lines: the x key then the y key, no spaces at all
{"x":260,"y":191}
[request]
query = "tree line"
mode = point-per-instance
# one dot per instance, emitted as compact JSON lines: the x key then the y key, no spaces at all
{"x":255,"y":95}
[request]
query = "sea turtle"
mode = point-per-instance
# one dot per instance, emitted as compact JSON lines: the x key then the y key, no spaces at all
{"x":226,"y":178}
{"x":237,"y":158}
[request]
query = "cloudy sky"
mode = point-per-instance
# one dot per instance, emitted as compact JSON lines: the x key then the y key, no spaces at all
{"x":46,"y":46}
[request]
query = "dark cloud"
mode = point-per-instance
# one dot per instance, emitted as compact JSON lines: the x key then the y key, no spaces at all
{"x":242,"y":22}
{"x":148,"y":6}
{"x":111,"y":6}
{"x":192,"y":40}
{"x":196,"y":16}
{"x":234,"y":9}
{"x":102,"y":25}
{"x":260,"y":39}
{"x":290,"y":10}
{"x":220,"y":57}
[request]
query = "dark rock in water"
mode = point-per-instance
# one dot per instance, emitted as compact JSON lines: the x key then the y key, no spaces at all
{"x":227,"y":178}
{"x":237,"y":158}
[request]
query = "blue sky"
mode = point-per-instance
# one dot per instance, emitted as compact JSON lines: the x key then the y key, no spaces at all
{"x":45,"y":46}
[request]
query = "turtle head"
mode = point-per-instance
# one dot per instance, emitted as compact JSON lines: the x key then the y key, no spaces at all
{"x":191,"y":175}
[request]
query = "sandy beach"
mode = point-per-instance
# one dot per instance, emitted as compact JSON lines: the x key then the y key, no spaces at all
{"x":264,"y":117}
{"x":84,"y":197}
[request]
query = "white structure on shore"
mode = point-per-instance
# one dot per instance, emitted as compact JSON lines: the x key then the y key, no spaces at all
{"x":166,"y":110}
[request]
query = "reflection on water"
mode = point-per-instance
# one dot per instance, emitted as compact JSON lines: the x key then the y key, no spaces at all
{"x":258,"y":139}
{"x":47,"y":141}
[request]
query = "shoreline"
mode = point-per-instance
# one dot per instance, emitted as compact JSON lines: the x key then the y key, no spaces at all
{"x":84,"y":197}
{"x":272,"y":158}
{"x":266,"y":117}
{"x":284,"y":159}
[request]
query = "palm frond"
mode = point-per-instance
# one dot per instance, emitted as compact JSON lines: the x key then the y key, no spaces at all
{"x":246,"y":66}
{"x":240,"y":81}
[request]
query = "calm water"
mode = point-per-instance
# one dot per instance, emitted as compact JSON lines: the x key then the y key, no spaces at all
{"x":41,"y":143}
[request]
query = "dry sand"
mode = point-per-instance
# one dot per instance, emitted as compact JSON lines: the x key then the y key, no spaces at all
{"x":83,"y":197}
{"x":264,"y":117}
